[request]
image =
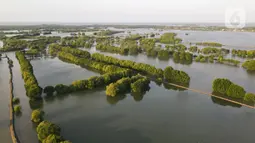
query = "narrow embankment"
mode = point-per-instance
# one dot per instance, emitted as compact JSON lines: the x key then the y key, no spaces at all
{"x":11,"y":107}
{"x":209,"y":94}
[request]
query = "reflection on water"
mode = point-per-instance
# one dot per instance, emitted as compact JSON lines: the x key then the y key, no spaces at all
{"x":224,"y":103}
{"x":114,"y":100}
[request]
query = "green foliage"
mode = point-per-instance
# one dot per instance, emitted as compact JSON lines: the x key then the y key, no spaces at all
{"x":33,"y":90}
{"x":62,"y":89}
{"x":52,"y":138}
{"x":236,"y":91}
{"x":12,"y":44}
{"x":37,"y":116}
{"x":112,"y":49}
{"x":41,"y":43}
{"x":144,"y":68}
{"x":49,"y":90}
{"x":77,"y":41}
{"x":163,"y":55}
{"x":151,"y":52}
{"x":122,"y":86}
{"x":99,"y":81}
{"x":243,"y":53}
{"x":140,"y":86}
{"x":213,"y":44}
{"x":176,"y":76}
{"x":249,"y":97}
{"x":46,"y":128}
{"x":210,"y":50}
{"x":169,"y":38}
{"x":221,"y":85}
{"x":15,"y":100}
{"x":17,"y":109}
{"x":183,"y":57}
{"x":193,"y":49}
{"x":32,"y":52}
{"x":249,"y":65}
{"x":228,"y":61}
{"x":201,"y":58}
{"x":147,"y":43}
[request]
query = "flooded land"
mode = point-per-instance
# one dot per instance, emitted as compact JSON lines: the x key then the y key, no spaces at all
{"x":162,"y":114}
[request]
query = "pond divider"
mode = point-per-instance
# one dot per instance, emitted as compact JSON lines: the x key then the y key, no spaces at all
{"x":14,"y":136}
{"x":209,"y":94}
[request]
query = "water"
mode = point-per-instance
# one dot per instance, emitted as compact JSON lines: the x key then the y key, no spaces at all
{"x":231,"y":40}
{"x":160,"y":115}
{"x":4,"y":101}
{"x":202,"y":74}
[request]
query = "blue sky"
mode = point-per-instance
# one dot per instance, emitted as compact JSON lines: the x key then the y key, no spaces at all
{"x":140,"y":11}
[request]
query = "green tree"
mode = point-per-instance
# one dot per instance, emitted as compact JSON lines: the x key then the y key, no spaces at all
{"x":249,"y":65}
{"x":46,"y":128}
{"x":249,"y":97}
{"x":49,"y":90}
{"x":236,"y":91}
{"x":37,"y":116}
{"x":221,"y":85}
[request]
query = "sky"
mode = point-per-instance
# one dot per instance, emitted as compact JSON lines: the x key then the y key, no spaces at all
{"x":123,"y":11}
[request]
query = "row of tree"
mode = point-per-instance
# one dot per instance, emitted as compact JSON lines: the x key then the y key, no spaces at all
{"x":33,"y":90}
{"x":77,"y":41}
{"x":243,"y":53}
{"x":141,"y":67}
{"x":109,"y":64}
{"x":112,"y":49}
{"x":213,"y":44}
{"x":226,"y":87}
{"x":233,"y":62}
{"x":99,"y":66}
{"x":55,"y":48}
{"x":169,"y":38}
{"x":88,"y":84}
{"x":176,"y":76}
{"x":138,"y":84}
{"x":249,"y":65}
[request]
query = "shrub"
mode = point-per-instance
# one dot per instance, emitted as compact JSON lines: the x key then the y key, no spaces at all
{"x":52,"y":138}
{"x":46,"y":128}
{"x":249,"y":65}
{"x":49,"y":90}
{"x":221,"y":85}
{"x":37,"y":116}
{"x":62,"y":89}
{"x":140,"y":85}
{"x":236,"y":91}
{"x":15,"y":100}
{"x":249,"y":97}
{"x":17,"y":109}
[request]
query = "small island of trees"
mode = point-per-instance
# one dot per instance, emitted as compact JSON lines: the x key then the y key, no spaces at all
{"x":228,"y":88}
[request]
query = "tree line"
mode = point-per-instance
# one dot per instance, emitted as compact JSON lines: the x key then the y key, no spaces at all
{"x":213,"y":44}
{"x":243,"y":53}
{"x":141,"y":67}
{"x":228,"y":88}
{"x":249,"y":65}
{"x":33,"y":90}
{"x":88,"y":84}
